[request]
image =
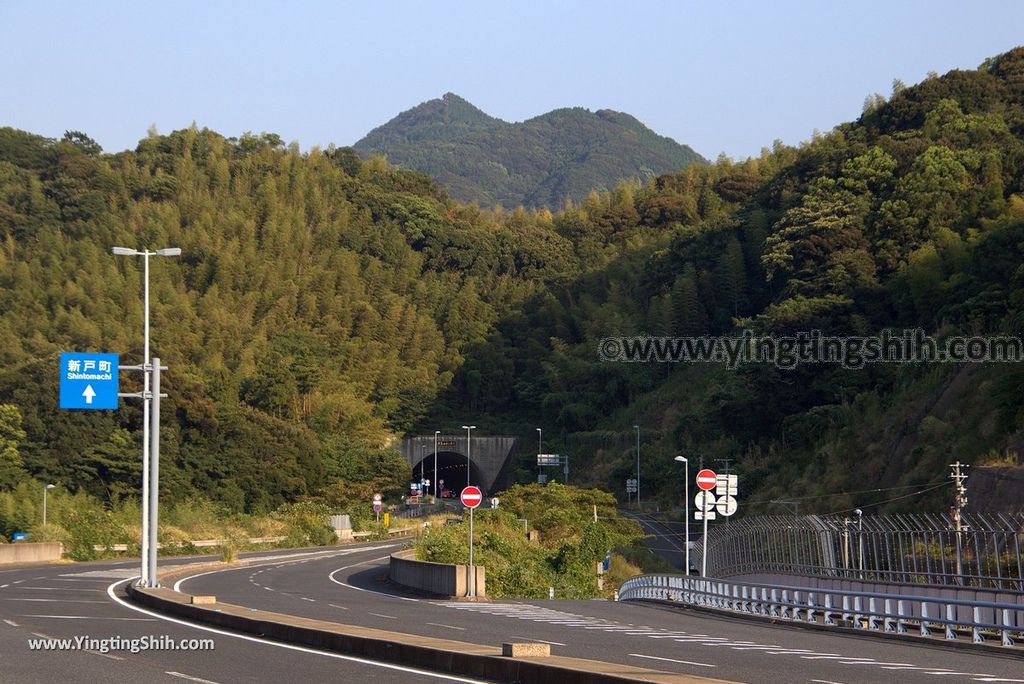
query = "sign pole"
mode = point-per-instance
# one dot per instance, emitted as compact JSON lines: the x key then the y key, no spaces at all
{"x":154,"y":471}
{"x":704,"y":555}
{"x":472,"y":571}
{"x":146,"y":577}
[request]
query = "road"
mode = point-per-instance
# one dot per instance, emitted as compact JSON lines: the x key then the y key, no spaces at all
{"x":66,"y":601}
{"x":352,"y":589}
{"x":665,"y":538}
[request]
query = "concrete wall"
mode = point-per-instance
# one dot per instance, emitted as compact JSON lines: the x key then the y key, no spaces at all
{"x":30,"y":553}
{"x":435,"y":578}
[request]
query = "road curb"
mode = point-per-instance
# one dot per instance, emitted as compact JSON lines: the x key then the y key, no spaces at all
{"x":426,"y":653}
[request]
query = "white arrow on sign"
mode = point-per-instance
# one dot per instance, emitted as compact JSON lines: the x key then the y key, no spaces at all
{"x":89,"y":393}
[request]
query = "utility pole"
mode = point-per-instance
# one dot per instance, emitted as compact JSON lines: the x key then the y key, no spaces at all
{"x":959,"y":477}
{"x":726,"y":461}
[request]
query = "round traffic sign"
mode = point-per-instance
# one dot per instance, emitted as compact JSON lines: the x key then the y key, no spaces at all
{"x":706,"y":479}
{"x":377,"y":497}
{"x":471,"y":496}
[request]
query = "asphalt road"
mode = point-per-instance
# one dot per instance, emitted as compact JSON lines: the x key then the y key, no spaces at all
{"x":667,"y":538}
{"x":83,"y":600}
{"x":350,"y":587}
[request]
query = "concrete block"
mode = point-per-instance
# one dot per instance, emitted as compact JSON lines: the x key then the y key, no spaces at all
{"x":203,"y":600}
{"x":527,"y":650}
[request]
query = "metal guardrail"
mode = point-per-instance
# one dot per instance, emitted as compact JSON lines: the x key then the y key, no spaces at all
{"x":861,"y":610}
{"x":926,"y":549}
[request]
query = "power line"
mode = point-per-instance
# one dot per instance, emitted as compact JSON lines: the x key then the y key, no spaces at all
{"x":896,"y":498}
{"x":863,"y":491}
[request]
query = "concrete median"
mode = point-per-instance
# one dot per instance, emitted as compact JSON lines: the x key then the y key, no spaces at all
{"x":426,"y":653}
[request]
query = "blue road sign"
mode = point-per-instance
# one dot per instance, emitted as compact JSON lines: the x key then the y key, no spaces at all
{"x":88,"y":381}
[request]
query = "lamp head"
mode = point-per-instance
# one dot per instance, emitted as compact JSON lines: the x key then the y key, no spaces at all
{"x":681,"y":459}
{"x":51,"y":486}
{"x":123,"y":251}
{"x":169,"y":251}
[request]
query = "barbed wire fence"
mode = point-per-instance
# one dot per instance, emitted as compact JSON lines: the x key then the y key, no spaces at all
{"x":921,"y":548}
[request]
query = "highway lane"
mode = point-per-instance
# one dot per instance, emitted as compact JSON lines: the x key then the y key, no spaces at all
{"x":667,"y":539}
{"x":351,"y":589}
{"x":83,"y":600}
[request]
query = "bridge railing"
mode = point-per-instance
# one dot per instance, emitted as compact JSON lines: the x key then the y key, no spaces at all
{"x":925,"y":549}
{"x":871,"y":611}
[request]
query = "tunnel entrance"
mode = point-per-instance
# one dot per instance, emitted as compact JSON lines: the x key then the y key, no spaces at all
{"x":450,"y":475}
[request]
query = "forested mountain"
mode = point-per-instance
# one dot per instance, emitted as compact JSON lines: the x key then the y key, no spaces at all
{"x":324,"y":304}
{"x":542,"y":162}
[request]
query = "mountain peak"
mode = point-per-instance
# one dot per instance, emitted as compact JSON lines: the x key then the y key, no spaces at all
{"x":565,"y":153}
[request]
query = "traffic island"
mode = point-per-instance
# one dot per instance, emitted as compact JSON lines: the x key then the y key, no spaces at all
{"x":426,"y":653}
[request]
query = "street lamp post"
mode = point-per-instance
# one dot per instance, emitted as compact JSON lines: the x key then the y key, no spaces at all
{"x":860,"y":540}
{"x":540,"y":450}
{"x":686,"y":498}
{"x":45,"y":490}
{"x":637,"y":428}
{"x":148,"y":529}
{"x":469,"y":442}
{"x":436,"y":433}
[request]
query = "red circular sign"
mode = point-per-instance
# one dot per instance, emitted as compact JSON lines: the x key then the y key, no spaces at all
{"x":471,"y":496}
{"x":706,"y":479}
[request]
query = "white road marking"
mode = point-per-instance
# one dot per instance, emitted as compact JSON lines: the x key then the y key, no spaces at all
{"x":89,"y":617}
{"x":111,"y":656}
{"x":112,"y":573}
{"x":290,"y":647}
{"x":438,"y":624}
{"x":100,"y":591}
{"x":370,"y":591}
{"x":12,"y":624}
{"x":389,"y":617}
{"x":191,"y":678}
{"x":553,"y":643}
{"x":335,"y":605}
{"x":42,"y":600}
{"x":672,"y":660}
{"x":996,"y":679}
{"x":308,"y":599}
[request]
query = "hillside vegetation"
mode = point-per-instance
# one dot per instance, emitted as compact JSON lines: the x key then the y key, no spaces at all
{"x":324,"y":304}
{"x":542,"y":162}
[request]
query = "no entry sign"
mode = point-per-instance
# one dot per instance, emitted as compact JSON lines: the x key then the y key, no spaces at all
{"x":471,"y":497}
{"x":706,"y":479}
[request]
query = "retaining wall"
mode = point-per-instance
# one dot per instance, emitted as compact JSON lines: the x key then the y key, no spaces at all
{"x":435,"y":578}
{"x":38,"y":552}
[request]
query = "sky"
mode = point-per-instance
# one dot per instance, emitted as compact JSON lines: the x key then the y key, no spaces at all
{"x":722,"y":77}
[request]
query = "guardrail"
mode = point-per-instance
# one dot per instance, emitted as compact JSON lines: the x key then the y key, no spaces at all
{"x":875,"y":612}
{"x":922,"y":548}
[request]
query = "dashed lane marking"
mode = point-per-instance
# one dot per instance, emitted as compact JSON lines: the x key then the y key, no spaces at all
{"x":672,"y":660}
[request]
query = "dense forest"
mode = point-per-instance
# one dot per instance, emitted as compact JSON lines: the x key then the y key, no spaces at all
{"x":542,"y":162}
{"x":325,"y":304}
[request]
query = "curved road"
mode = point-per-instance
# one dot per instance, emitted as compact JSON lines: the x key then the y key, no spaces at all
{"x":85,"y":600}
{"x":352,"y":589}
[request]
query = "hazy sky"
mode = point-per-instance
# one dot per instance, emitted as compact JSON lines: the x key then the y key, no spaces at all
{"x":720,"y":76}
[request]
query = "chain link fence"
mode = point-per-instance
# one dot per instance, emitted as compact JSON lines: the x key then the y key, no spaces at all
{"x":923,"y":548}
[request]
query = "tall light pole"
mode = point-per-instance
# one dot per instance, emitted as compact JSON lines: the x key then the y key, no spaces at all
{"x":686,"y":498}
{"x":540,"y":450}
{"x":436,"y":433}
{"x":148,"y":534}
{"x":469,"y":442}
{"x":637,"y":428}
{"x":45,"y":490}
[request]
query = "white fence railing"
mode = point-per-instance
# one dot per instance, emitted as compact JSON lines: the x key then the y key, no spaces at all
{"x":896,"y":614}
